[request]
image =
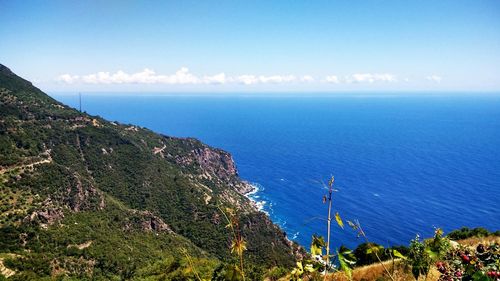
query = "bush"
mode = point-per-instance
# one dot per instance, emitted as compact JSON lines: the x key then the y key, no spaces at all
{"x":362,"y":255}
{"x":466,"y":232}
{"x":276,"y":273}
{"x":463,"y":263}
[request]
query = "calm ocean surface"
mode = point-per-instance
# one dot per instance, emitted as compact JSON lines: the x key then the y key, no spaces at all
{"x":403,"y":164}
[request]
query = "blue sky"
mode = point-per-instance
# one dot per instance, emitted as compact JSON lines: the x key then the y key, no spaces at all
{"x":212,"y":46}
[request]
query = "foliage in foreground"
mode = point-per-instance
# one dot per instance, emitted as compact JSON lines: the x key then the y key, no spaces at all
{"x":463,"y":263}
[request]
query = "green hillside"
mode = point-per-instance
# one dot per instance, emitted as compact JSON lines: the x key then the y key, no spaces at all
{"x":85,"y":198}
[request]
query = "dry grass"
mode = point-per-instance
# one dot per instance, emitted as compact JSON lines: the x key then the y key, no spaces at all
{"x":373,"y":272}
{"x":474,"y":241}
{"x":377,"y":272}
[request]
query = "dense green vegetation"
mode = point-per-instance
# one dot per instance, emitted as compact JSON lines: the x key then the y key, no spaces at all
{"x":465,"y":232}
{"x":86,"y":198}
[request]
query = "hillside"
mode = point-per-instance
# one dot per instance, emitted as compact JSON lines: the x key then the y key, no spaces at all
{"x":87,"y":198}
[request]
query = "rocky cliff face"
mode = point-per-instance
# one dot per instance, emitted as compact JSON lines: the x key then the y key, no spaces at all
{"x":217,"y":165}
{"x":212,"y":162}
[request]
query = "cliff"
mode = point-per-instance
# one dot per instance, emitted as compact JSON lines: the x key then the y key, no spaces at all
{"x":132,"y":196}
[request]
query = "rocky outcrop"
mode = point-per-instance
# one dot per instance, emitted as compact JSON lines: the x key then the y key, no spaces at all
{"x":80,"y":194}
{"x":47,"y":215}
{"x":215,"y":162}
{"x":154,"y":223}
{"x":216,"y":165}
{"x":244,"y":187}
{"x":150,"y":222}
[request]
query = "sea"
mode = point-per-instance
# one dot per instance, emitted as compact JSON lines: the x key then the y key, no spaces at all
{"x":404,"y":163}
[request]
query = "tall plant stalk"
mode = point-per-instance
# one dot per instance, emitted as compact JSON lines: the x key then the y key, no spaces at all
{"x":330,"y":190}
{"x":191,"y":264}
{"x":238,"y":245}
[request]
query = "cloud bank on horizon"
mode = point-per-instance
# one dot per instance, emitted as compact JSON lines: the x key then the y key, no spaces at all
{"x":184,"y":77}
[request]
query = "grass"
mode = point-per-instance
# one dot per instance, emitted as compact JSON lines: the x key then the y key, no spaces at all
{"x":377,"y":272}
{"x":474,"y":241}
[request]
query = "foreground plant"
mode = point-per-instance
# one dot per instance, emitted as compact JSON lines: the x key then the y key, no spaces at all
{"x":418,"y":258}
{"x":330,"y":191}
{"x":189,"y":259}
{"x":423,"y":253}
{"x":317,"y":264}
{"x":463,"y":263}
{"x":238,"y":244}
{"x":315,"y":267}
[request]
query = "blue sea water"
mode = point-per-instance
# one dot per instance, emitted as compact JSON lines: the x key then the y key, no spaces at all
{"x":403,"y":164}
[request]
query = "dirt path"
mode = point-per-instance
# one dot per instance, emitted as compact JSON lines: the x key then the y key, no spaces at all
{"x":25,"y":166}
{"x":46,"y":154}
{"x":5,"y":271}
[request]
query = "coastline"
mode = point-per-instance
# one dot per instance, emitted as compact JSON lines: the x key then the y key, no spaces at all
{"x":249,"y":191}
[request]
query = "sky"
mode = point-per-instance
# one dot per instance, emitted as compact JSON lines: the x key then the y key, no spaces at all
{"x":253,"y":46}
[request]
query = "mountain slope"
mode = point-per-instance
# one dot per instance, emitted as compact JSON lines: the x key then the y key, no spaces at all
{"x":85,"y":197}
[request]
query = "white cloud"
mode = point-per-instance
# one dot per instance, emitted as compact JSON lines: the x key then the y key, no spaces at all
{"x":67,"y":78}
{"x":182,"y":76}
{"x":274,"y":79}
{"x":216,"y":79}
{"x":332,"y":79}
{"x":247,"y":79}
{"x":434,"y":78}
{"x":277,"y":79}
{"x":371,"y":78}
{"x":307,"y":78}
{"x":147,"y":76}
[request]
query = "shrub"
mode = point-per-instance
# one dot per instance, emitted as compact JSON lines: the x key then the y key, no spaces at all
{"x":466,"y":232}
{"x":276,"y":273}
{"x":463,"y":263}
{"x":362,"y":255}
